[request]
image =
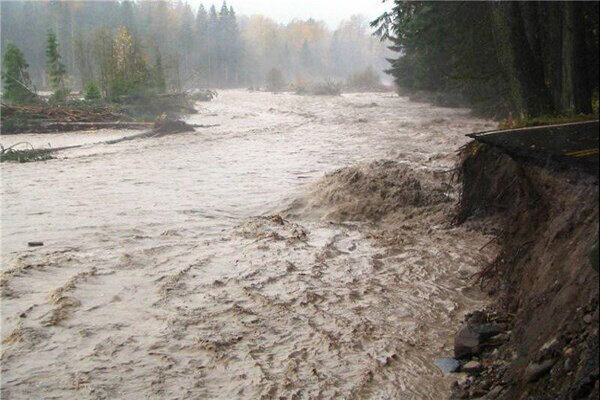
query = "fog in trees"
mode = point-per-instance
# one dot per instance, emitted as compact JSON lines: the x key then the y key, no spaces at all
{"x":195,"y":46}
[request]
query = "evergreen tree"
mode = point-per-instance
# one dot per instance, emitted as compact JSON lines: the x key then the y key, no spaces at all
{"x":159,"y":74}
{"x":212,"y":45}
{"x":528,"y":58}
{"x":103,"y":46}
{"x":92,"y":91}
{"x":55,"y":68}
{"x":214,"y":49}
{"x":15,"y":77}
{"x":200,"y":57}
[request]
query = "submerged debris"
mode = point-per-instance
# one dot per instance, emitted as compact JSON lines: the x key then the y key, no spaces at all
{"x":24,"y":155}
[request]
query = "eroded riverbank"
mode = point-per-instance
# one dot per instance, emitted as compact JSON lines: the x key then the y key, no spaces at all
{"x":219,"y":264}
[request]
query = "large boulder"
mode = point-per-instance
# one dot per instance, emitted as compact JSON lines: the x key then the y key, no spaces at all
{"x":467,"y":342}
{"x":471,"y":337}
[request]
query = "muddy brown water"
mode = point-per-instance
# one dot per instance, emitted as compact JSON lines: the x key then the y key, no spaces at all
{"x":168,"y":271}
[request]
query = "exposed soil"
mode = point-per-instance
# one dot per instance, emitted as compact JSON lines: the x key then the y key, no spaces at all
{"x":545,"y":284}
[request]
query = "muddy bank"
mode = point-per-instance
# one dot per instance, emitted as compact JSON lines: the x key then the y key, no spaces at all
{"x":545,"y":285}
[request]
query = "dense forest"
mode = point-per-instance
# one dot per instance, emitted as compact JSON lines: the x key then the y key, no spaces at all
{"x":196,"y":47}
{"x":525,"y":58}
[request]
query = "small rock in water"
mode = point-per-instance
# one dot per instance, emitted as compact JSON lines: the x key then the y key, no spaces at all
{"x":35,"y":244}
{"x":472,"y":367}
{"x":447,"y":365}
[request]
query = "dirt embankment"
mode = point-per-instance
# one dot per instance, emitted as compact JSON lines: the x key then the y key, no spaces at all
{"x":544,"y":279}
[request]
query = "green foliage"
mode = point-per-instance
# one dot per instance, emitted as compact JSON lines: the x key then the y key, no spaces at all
{"x":275,"y":81}
{"x":502,"y":57}
{"x":130,"y":73}
{"x":11,"y":154}
{"x":55,"y":69}
{"x":446,"y":47}
{"x":15,"y":77}
{"x":158,"y":75}
{"x":92,"y":91}
{"x":60,"y":95}
{"x":206,"y":47}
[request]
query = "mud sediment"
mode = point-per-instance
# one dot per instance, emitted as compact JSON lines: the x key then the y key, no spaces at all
{"x":209,"y":285}
{"x":545,"y":285}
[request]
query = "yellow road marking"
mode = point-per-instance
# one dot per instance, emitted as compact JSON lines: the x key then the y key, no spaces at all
{"x":583,"y":153}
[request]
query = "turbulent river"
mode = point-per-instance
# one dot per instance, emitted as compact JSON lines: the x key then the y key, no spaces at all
{"x":273,"y":256}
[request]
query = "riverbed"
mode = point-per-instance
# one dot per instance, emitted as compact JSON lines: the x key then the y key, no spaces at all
{"x":215,"y":265}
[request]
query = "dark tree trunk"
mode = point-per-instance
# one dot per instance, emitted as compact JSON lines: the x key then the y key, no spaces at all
{"x":577,"y":92}
{"x":529,"y":69}
{"x":551,"y":20}
{"x":524,"y":69}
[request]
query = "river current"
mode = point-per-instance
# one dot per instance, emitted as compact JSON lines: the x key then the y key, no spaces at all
{"x":234,"y":262}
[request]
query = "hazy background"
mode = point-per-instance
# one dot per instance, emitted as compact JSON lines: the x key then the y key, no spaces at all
{"x":204,"y":43}
{"x":331,"y":11}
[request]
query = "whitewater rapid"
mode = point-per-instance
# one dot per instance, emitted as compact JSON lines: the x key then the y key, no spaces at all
{"x":220,"y":264}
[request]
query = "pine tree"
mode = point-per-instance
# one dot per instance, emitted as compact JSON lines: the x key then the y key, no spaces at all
{"x":15,"y":77}
{"x":200,"y":59}
{"x":212,"y":45}
{"x":92,"y":91}
{"x":159,"y":74}
{"x":55,"y":68}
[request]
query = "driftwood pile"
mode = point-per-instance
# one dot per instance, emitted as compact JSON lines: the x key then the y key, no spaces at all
{"x":61,"y":113}
{"x":55,"y":118}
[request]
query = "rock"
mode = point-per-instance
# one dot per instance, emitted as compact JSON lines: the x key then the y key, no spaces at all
{"x":495,"y":354}
{"x":472,"y":367}
{"x":569,"y":352}
{"x":501,"y":337}
{"x":35,"y":244}
{"x":550,"y":344}
{"x":535,"y":371}
{"x":447,"y":365}
{"x":477,"y":392}
{"x":568,"y":366}
{"x":494,"y":393}
{"x":466,"y":342}
{"x":549,"y":349}
{"x":587,"y":318}
{"x":487,"y":331}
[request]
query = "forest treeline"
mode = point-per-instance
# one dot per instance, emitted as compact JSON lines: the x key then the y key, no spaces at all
{"x":499,"y":57}
{"x":200,"y":47}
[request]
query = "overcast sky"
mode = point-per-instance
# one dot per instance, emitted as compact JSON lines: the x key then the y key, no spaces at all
{"x":330,"y":11}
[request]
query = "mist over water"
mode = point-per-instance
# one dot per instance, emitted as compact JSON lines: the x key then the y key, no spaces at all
{"x":213,"y":264}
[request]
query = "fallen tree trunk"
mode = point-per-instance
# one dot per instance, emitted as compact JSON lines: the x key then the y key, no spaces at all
{"x":36,"y":126}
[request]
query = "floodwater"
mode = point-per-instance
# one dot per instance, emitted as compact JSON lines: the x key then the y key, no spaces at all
{"x":234,"y":263}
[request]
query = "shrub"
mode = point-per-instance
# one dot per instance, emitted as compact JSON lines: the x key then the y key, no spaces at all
{"x":92,"y":91}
